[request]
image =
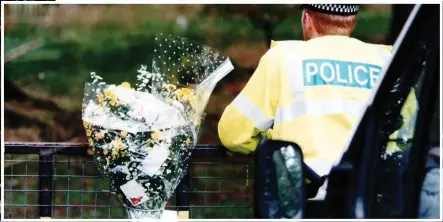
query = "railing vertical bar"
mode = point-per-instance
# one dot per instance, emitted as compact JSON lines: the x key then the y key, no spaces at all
{"x":11,"y":180}
{"x":54,"y":162}
{"x":232,"y":214}
{"x":182,"y":194}
{"x":189,"y":182}
{"x":219,"y":190}
{"x":45,"y":183}
{"x":82,"y":189}
{"x":109,"y":202}
{"x":26,"y":185}
{"x":95,"y":201}
{"x":206,"y":189}
{"x":69,"y":191}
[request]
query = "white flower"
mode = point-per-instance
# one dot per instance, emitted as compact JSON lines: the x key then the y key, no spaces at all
{"x":136,"y":111}
{"x":124,"y":94}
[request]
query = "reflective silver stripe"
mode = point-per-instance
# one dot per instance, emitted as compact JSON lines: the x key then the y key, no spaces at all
{"x":252,"y":112}
{"x":318,"y":107}
{"x":295,"y":71}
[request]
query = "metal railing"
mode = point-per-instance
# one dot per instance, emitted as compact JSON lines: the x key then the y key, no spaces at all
{"x":60,"y":180}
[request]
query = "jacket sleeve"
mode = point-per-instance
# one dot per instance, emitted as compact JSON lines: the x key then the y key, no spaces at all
{"x":250,"y":116}
{"x":406,"y":131}
{"x":409,"y":114}
{"x":387,"y":47}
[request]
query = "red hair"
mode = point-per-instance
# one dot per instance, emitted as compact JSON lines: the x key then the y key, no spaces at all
{"x":327,"y":24}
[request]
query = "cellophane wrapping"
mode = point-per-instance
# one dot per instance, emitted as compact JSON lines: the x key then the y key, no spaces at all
{"x":142,"y":136}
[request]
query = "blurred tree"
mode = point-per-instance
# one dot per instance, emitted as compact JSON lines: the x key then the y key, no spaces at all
{"x":400,"y":13}
{"x":44,"y":17}
{"x":11,"y":19}
{"x":264,"y":17}
{"x":13,"y":16}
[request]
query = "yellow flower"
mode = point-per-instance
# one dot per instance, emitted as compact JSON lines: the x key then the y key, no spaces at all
{"x":124,"y":133}
{"x":117,"y":144}
{"x":155,"y":135}
{"x":88,"y":132}
{"x":105,"y":151}
{"x":108,"y":93}
{"x":148,"y":149}
{"x":113,"y":98}
{"x":85,"y":124}
{"x":188,"y":141}
{"x":125,"y":85}
{"x":186,"y":92}
{"x":113,"y":103}
{"x":91,"y":142}
{"x":169,"y":87}
{"x":100,"y":98}
{"x":115,"y":152}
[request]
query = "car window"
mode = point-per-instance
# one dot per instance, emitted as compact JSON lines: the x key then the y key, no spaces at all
{"x":397,"y":136}
{"x":393,"y":161}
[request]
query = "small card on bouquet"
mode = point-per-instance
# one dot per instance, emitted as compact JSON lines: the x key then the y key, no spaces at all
{"x":134,"y":192}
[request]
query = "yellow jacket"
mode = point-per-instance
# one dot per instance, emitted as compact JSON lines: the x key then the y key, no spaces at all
{"x":307,"y":92}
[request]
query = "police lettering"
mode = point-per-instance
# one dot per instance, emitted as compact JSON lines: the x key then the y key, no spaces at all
{"x":318,"y":72}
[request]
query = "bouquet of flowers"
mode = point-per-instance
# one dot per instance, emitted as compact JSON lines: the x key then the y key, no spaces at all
{"x":142,"y":137}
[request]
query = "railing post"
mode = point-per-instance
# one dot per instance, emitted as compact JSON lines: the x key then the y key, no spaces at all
{"x":45,"y":183}
{"x":182,"y":196}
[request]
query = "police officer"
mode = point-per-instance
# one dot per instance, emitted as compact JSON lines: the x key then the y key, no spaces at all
{"x":309,"y":92}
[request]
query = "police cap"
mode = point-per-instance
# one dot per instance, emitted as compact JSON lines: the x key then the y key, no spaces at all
{"x":334,"y":9}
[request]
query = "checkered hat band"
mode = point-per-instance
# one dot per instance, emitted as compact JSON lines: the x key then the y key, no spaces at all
{"x":340,"y":9}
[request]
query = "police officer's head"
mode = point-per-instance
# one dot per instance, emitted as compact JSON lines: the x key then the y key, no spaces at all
{"x":328,"y":19}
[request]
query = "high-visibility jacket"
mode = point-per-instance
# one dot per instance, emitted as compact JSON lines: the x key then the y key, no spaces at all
{"x":307,"y":92}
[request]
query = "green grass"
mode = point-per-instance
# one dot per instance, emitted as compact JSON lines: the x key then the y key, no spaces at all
{"x":116,"y":51}
{"x":224,"y":197}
